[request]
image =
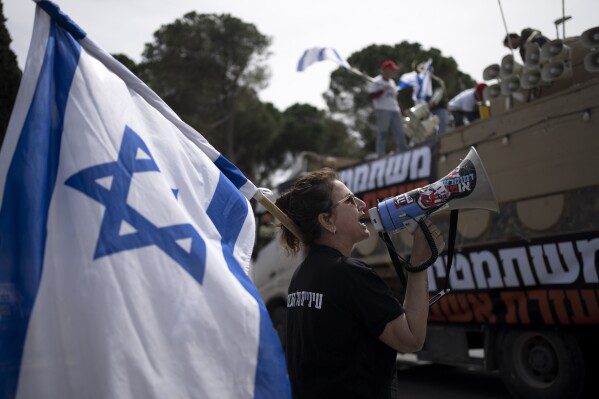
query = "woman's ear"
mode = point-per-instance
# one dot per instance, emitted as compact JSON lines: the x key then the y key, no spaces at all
{"x":326,"y":223}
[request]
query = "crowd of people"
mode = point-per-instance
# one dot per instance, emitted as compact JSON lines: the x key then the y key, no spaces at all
{"x":383,"y":91}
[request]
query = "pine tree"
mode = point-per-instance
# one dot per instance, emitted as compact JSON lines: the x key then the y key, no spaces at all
{"x":10,"y":76}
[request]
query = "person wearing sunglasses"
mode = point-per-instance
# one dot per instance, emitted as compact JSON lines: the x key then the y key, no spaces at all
{"x":344,"y":326}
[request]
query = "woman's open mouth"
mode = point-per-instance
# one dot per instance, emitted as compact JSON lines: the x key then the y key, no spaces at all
{"x":363,"y":220}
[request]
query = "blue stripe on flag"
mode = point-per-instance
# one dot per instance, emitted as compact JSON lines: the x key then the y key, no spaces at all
{"x":402,"y":85}
{"x":228,"y":210}
{"x":62,"y":19}
{"x":419,"y":79}
{"x":231,"y":171}
{"x":321,"y":56}
{"x":300,"y":64}
{"x":341,"y":60}
{"x":29,"y":184}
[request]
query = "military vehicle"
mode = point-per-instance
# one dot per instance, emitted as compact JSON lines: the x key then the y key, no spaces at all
{"x":525,"y":286}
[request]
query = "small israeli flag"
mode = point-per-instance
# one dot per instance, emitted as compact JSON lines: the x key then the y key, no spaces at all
{"x":124,"y":236}
{"x":316,"y":54}
{"x":420,"y":81}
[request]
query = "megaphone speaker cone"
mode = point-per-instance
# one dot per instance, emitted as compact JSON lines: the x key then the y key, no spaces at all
{"x":530,"y":79}
{"x":532,"y":55}
{"x":556,"y":70}
{"x":465,"y":187}
{"x":590,"y":38}
{"x":591,"y":61}
{"x":491,"y":72}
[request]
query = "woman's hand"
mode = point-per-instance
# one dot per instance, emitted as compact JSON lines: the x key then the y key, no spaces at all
{"x":421,"y":251}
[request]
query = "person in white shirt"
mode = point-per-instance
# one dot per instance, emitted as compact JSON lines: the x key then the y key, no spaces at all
{"x":383,"y":93}
{"x":465,"y":104}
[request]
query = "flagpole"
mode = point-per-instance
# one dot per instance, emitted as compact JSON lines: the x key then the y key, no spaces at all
{"x":278,"y":213}
{"x":360,"y":73}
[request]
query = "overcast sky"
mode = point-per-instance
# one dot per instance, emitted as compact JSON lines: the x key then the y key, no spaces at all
{"x":468,"y":30}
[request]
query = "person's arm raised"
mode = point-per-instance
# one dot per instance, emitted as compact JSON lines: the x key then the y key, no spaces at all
{"x":407,"y":332}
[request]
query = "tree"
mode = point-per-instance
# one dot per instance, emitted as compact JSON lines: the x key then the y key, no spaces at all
{"x":200,"y":65}
{"x":257,"y":126}
{"x":306,"y":128}
{"x":347,"y":95}
{"x":10,"y":76}
{"x":128,"y":62}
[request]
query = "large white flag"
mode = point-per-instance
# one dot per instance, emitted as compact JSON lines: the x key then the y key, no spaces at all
{"x":123,"y":241}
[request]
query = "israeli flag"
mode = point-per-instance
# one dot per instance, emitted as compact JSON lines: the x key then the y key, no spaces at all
{"x":123,"y":241}
{"x":420,"y":81}
{"x":316,"y":54}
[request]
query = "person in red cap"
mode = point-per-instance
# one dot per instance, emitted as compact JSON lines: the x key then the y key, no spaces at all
{"x":465,"y":104}
{"x":383,"y":93}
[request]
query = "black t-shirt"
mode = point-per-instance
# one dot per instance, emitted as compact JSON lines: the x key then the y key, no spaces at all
{"x":337,"y":308}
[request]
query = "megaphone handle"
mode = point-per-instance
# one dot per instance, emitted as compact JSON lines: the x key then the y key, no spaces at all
{"x":433,"y":247}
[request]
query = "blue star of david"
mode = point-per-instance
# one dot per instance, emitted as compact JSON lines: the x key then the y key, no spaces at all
{"x":114,"y":198}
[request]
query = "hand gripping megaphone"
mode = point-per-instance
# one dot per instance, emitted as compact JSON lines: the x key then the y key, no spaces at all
{"x":465,"y":187}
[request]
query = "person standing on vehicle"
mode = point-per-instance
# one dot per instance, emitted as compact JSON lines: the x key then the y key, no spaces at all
{"x":383,"y":93}
{"x":465,"y":105}
{"x":519,"y":41}
{"x":344,"y":326}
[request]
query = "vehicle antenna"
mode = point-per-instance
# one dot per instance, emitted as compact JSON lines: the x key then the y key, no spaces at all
{"x":505,"y":26}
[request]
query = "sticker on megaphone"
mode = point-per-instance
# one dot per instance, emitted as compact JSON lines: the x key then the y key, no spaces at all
{"x":465,"y":187}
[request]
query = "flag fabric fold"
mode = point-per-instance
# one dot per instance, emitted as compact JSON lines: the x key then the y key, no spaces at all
{"x":420,"y":81}
{"x":317,"y":54}
{"x":125,"y":239}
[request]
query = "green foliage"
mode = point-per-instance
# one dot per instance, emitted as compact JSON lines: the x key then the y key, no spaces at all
{"x":348,"y":96}
{"x":10,"y":76}
{"x":209,"y":68}
{"x":257,"y":126}
{"x":306,"y":128}
{"x":128,"y":62}
{"x":199,"y":65}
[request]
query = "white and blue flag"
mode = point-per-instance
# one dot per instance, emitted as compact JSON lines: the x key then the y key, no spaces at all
{"x":124,"y":236}
{"x":316,"y":54}
{"x":420,"y":81}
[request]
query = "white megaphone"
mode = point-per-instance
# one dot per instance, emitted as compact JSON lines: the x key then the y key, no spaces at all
{"x":532,"y":58}
{"x":555,"y":50}
{"x":492,"y":92}
{"x":510,"y":85}
{"x":465,"y":187}
{"x":509,"y":67}
{"x":419,"y":111}
{"x":590,"y":38}
{"x":556,"y":70}
{"x":530,"y":78}
{"x":414,"y":130}
{"x":491,"y":72}
{"x":591,"y":61}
